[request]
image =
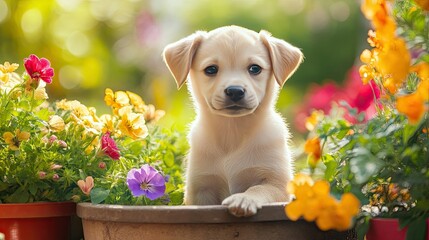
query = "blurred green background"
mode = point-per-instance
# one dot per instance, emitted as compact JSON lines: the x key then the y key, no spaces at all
{"x":94,"y":44}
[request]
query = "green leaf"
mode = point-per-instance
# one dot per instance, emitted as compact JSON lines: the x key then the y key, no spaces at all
{"x":43,"y":114}
{"x":169,"y":159}
{"x":364,"y":164}
{"x":98,"y":195}
{"x":417,"y":229}
{"x":362,"y":227}
{"x":331,"y":166}
{"x":21,"y":195}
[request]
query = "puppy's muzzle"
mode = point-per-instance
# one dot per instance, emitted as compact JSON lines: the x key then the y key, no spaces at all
{"x":235,"y":93}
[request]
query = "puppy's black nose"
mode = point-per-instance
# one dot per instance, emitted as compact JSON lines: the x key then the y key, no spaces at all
{"x":235,"y":93}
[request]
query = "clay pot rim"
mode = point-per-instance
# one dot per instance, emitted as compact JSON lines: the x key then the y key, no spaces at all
{"x":175,"y":214}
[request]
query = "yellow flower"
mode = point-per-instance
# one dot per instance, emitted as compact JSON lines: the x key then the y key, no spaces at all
{"x":108,"y":122}
{"x":56,"y":123}
{"x":136,"y":101}
{"x":15,"y":140}
{"x":152,"y":115}
{"x":133,"y":125}
{"x":314,"y":203}
{"x":40,"y":94}
{"x":313,"y":119}
{"x":7,"y":71}
{"x":314,"y":151}
{"x":394,"y":61}
{"x":365,"y":73}
{"x":8,"y":68}
{"x":412,"y":105}
{"x":116,"y":99}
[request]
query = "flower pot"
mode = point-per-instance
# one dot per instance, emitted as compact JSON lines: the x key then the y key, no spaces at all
{"x":388,"y":229}
{"x":106,"y":222}
{"x":34,"y":221}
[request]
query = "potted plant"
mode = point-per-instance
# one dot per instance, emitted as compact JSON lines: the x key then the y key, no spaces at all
{"x":53,"y":154}
{"x":376,"y":146}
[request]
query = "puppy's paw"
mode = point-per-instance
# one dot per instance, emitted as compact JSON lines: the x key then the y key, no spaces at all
{"x":241,"y":205}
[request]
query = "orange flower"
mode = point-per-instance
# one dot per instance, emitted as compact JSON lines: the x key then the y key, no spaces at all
{"x":412,"y":106}
{"x":424,"y":4}
{"x":314,"y":203}
{"x":314,"y":151}
{"x":313,"y":119}
{"x":394,"y":61}
{"x":377,"y":11}
{"x":422,"y":70}
{"x":423,"y":89}
{"x":86,"y":185}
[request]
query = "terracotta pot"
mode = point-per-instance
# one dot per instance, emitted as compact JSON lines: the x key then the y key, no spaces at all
{"x":388,"y":229}
{"x":107,"y":222}
{"x":34,"y":221}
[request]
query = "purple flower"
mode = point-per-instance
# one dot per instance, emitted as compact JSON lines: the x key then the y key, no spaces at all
{"x":146,"y":181}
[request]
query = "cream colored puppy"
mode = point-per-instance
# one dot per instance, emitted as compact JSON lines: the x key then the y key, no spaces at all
{"x":239,"y":154}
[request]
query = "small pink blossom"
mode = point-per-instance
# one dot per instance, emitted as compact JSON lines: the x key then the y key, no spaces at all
{"x":55,"y":166}
{"x":53,"y":138}
{"x":102,"y":165}
{"x":39,"y":68}
{"x":109,"y":147}
{"x":55,"y":177}
{"x":42,"y":175}
{"x":62,"y":144}
{"x":87,"y":185}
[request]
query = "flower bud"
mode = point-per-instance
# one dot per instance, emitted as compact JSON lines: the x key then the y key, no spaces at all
{"x":53,"y":138}
{"x":55,"y":166}
{"x":102,"y":165}
{"x":42,"y":175}
{"x":62,"y":144}
{"x":55,"y":177}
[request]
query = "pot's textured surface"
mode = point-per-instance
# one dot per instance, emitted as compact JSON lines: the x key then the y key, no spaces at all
{"x":106,"y":222}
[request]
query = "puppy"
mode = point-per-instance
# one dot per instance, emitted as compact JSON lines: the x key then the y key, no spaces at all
{"x":239,"y":154}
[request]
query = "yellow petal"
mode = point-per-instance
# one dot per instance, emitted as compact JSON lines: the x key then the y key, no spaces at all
{"x":22,"y":136}
{"x":294,"y":210}
{"x":8,"y":137}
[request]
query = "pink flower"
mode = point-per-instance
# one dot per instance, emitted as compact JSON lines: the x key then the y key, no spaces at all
{"x":86,"y":185}
{"x":108,"y":146}
{"x":42,"y":175}
{"x":102,"y":165}
{"x":39,"y":68}
{"x":55,"y":177}
{"x":361,"y":96}
{"x":55,"y":166}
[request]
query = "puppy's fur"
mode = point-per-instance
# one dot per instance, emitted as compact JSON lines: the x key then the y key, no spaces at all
{"x":239,"y":154}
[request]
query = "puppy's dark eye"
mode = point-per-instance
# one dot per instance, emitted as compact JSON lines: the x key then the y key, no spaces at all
{"x":255,"y":69}
{"x":211,"y":70}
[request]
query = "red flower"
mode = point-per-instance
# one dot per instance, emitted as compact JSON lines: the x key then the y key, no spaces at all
{"x":39,"y":68}
{"x":109,"y":147}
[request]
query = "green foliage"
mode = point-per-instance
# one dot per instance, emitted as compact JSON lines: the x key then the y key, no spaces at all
{"x":43,"y":160}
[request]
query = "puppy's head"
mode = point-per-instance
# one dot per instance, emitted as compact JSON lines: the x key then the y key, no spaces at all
{"x":231,"y":68}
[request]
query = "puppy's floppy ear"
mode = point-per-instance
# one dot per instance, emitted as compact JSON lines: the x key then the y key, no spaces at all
{"x":285,"y":58}
{"x":178,"y":56}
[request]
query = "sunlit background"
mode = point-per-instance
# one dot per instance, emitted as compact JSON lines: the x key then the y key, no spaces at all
{"x":94,"y":44}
